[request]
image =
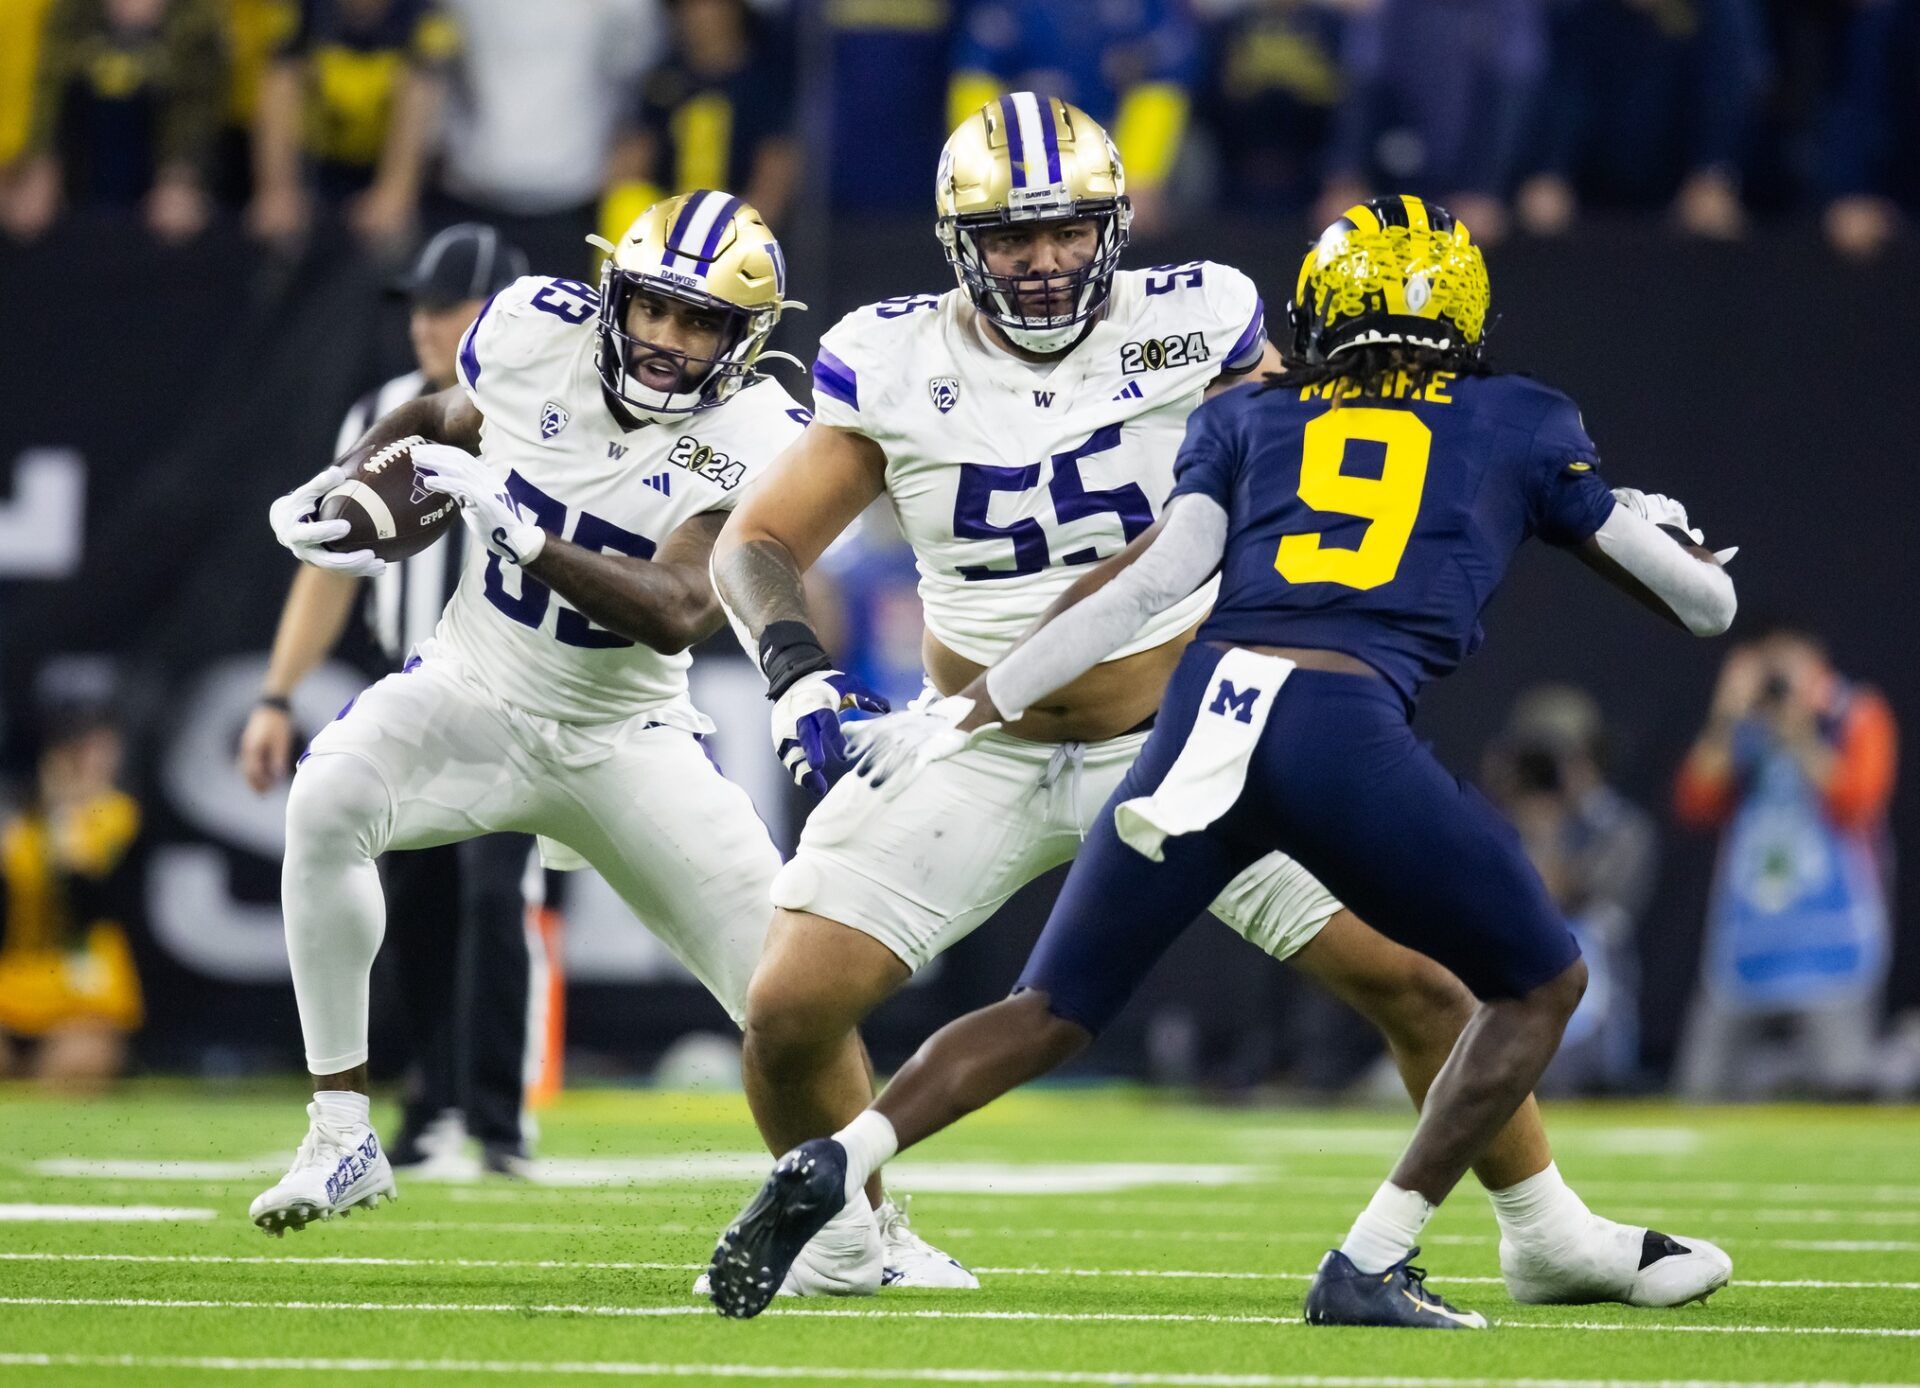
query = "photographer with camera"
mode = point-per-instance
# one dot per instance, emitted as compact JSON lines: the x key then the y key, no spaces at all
{"x":1595,"y":851}
{"x":1795,"y":768}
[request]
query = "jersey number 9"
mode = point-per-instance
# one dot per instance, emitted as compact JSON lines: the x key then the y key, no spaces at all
{"x":1389,"y":503}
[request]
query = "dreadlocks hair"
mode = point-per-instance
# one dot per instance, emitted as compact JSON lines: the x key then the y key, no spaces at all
{"x":1377,"y":366}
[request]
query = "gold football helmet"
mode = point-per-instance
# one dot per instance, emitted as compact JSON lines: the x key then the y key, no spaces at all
{"x":703,"y":248}
{"x":1393,"y":270}
{"x":1028,"y":158}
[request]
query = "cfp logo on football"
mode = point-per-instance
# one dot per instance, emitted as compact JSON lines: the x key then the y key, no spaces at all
{"x":552,"y":419}
{"x":945,"y":391}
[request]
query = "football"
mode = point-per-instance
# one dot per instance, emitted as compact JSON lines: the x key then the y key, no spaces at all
{"x":386,"y":501}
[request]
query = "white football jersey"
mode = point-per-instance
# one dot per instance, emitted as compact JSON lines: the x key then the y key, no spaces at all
{"x":528,"y":364}
{"x":1009,"y":478}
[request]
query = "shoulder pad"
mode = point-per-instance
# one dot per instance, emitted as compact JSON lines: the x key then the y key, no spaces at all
{"x":869,"y":344}
{"x":534,"y":314}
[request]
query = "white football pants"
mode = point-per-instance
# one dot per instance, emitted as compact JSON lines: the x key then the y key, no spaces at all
{"x":430,"y":757}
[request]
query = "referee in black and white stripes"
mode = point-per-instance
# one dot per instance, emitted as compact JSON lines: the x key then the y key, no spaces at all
{"x":457,"y":933}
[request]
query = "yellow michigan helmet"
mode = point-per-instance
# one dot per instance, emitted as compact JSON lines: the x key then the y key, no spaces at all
{"x":708,"y":249}
{"x":1030,"y":158}
{"x":1393,"y":270}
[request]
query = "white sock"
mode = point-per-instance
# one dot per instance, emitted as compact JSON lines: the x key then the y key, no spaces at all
{"x":342,"y":1108}
{"x":870,"y":1141}
{"x":1541,"y":1209}
{"x":1387,"y":1229}
{"x":337,"y":817}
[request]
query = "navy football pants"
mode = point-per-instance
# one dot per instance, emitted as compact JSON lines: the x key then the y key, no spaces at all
{"x":1338,"y":782}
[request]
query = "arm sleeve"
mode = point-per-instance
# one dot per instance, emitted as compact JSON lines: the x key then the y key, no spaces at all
{"x":1698,"y":593}
{"x":1568,"y":501}
{"x":1864,"y":763}
{"x":1186,"y":552}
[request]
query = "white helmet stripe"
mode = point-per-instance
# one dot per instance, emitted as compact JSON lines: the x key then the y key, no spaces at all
{"x":1032,"y":114}
{"x":695,"y":225}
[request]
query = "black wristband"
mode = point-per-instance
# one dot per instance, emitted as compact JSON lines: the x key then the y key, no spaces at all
{"x":278,"y":701}
{"x":789,"y":651}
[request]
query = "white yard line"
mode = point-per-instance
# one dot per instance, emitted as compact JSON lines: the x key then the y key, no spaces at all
{"x":879,"y":1313}
{"x":578,"y":1265}
{"x":1678,"y":1222}
{"x":99,"y":1214}
{"x":619,"y":1369}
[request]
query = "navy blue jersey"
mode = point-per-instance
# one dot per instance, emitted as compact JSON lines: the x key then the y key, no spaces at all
{"x":1380,"y":526}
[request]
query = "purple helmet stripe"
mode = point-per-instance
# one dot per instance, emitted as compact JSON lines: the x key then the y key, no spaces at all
{"x":1248,"y":345}
{"x":1016,"y":150}
{"x":779,"y":259}
{"x":1050,"y":138}
{"x":721,"y":219}
{"x":831,"y":376}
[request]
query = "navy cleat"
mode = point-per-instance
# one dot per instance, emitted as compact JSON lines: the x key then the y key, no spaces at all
{"x":807,"y":1188}
{"x":1341,"y":1294}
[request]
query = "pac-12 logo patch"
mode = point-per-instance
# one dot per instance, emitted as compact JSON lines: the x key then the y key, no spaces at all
{"x":945,"y":391}
{"x":552,"y":419}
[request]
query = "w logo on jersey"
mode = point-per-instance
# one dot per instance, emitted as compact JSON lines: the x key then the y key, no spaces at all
{"x":945,"y":391}
{"x":661,"y":482}
{"x":552,"y":419}
{"x":1043,"y":399}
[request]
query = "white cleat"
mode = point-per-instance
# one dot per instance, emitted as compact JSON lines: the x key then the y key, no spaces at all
{"x":843,"y":1259}
{"x":913,"y":1262}
{"x":1616,"y":1262}
{"x":335,"y":1172}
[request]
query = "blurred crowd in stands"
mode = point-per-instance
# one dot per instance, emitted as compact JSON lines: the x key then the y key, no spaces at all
{"x":549,"y":119}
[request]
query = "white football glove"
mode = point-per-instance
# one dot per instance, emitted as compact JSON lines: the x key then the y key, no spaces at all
{"x":889,"y":752}
{"x":1661,"y":510}
{"x":292,"y":519}
{"x":807,"y":735}
{"x":493,"y":516}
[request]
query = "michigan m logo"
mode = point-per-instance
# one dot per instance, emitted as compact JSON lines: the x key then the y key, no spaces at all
{"x":1237,"y":702}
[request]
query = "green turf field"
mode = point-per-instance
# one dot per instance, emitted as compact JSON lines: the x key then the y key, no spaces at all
{"x":1122,"y":1239}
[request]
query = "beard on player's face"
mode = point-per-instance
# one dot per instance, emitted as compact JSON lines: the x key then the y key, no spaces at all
{"x":671,"y":346}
